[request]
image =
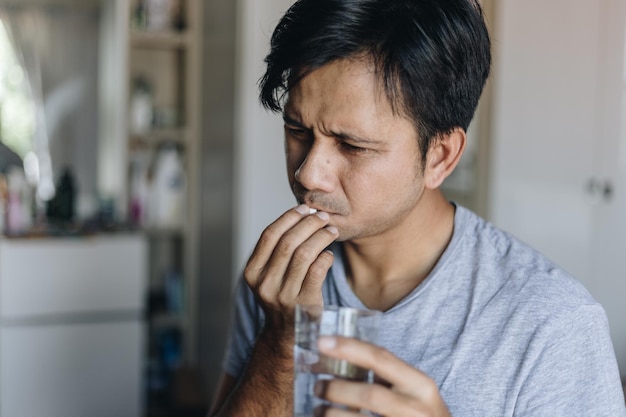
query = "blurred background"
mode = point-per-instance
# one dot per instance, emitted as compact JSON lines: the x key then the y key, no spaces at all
{"x":137,"y":170}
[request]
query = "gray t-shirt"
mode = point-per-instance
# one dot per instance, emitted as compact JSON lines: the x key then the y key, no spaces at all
{"x":502,"y":330}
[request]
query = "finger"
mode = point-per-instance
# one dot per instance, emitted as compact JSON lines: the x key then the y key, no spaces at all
{"x":275,"y":272}
{"x":312,"y":285}
{"x":372,"y":397}
{"x":402,"y":376}
{"x":268,"y":240}
{"x":309,"y":264}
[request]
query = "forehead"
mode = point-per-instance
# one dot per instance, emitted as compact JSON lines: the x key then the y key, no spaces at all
{"x":350,"y":73}
{"x":344,"y":87}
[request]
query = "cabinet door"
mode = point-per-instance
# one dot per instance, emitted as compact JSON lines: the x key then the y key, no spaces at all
{"x":40,"y":277}
{"x":609,"y":244}
{"x":71,"y":370}
{"x":547,"y":73}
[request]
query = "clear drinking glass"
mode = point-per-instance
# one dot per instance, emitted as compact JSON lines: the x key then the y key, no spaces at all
{"x":310,"y":366}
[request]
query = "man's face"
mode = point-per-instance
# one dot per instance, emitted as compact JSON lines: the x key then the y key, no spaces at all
{"x":348,"y":154}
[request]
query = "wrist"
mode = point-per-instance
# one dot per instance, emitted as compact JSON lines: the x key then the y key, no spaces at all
{"x":277,"y":344}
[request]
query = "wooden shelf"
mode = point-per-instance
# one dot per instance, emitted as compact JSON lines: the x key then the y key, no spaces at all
{"x":170,"y":62}
{"x":168,"y":65}
{"x":155,"y":137}
{"x":159,"y":39}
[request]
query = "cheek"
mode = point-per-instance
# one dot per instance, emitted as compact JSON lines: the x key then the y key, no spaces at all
{"x":381,"y":185}
{"x":365,"y":187}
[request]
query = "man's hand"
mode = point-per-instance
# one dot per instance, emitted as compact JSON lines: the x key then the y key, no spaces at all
{"x":289,"y":265}
{"x":408,"y":392}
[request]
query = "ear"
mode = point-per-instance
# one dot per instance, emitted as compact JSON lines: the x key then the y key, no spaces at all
{"x":443,"y":156}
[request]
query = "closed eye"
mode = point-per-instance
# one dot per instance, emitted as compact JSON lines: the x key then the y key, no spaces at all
{"x":295,"y":130}
{"x":297,"y":133}
{"x":352,"y":148}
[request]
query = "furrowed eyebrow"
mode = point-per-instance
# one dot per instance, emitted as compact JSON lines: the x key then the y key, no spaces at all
{"x":354,"y":138}
{"x":291,"y":121}
{"x":344,"y":136}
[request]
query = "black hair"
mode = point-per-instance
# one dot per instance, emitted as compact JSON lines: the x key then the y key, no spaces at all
{"x":432,"y":56}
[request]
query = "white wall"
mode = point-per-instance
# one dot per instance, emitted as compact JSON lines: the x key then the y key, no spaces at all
{"x":262,"y":191}
{"x":559,"y":124}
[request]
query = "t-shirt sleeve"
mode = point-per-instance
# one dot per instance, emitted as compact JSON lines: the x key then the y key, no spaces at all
{"x":575,"y":372}
{"x":247,"y":320}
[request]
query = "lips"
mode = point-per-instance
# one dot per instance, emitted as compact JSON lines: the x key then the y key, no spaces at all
{"x":315,"y":208}
{"x":316,"y":200}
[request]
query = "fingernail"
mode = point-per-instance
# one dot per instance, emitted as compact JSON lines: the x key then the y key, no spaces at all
{"x":302,"y":209}
{"x":326,"y":342}
{"x":322,"y":215}
{"x":332,"y":229}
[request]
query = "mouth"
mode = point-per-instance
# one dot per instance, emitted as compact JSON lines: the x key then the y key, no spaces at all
{"x":314,"y":200}
{"x":312,"y":207}
{"x":315,"y":208}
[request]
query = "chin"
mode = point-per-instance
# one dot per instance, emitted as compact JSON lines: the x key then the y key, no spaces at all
{"x":340,"y":238}
{"x":346,"y":235}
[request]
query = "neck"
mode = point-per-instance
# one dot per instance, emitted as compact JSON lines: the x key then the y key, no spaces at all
{"x":383,"y":269}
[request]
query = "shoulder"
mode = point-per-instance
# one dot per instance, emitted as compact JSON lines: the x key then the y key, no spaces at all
{"x":515,"y":272}
{"x":525,"y":310}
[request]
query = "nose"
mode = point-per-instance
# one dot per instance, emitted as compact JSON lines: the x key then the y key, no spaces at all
{"x":316,"y":173}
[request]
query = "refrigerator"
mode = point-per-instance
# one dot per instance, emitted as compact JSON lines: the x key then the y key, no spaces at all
{"x":71,"y":326}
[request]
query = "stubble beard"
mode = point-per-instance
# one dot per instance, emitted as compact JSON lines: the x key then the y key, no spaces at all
{"x":350,"y":231}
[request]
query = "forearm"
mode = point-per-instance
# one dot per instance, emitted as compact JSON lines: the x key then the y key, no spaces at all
{"x":266,"y":388}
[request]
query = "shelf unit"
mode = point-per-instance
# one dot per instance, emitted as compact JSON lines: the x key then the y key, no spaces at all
{"x":170,"y":60}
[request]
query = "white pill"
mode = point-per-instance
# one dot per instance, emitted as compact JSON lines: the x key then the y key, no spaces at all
{"x":312,"y":211}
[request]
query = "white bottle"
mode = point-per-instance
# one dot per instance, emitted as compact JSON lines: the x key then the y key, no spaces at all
{"x":3,"y":202}
{"x":17,"y":209}
{"x":168,"y":190}
{"x":141,"y":110}
{"x":139,"y":188}
{"x":158,"y":14}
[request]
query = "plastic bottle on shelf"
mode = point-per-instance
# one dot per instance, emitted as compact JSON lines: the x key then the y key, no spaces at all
{"x":139,"y":16}
{"x":174,"y":291}
{"x":66,"y":193}
{"x":168,"y":189}
{"x":158,"y":14}
{"x":18,"y":205}
{"x":61,"y":209}
{"x":139,"y":188}
{"x":3,"y":201}
{"x":141,"y":107}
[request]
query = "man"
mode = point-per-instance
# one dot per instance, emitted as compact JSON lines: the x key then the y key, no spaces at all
{"x":376,"y":96}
